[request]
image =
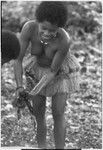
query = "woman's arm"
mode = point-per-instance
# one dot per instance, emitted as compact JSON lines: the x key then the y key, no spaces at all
{"x":24,"y":42}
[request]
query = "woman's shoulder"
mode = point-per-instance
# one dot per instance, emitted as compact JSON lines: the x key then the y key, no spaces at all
{"x":65,"y":35}
{"x":65,"y":38}
{"x":29,"y":28}
{"x":30,"y":25}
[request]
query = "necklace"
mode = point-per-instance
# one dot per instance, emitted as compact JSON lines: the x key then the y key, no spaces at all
{"x":53,"y":37}
{"x":45,"y":43}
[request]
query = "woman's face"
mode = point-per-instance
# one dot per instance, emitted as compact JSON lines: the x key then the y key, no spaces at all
{"x":47,"y":31}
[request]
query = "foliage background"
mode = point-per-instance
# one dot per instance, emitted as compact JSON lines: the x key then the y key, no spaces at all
{"x":84,"y":109}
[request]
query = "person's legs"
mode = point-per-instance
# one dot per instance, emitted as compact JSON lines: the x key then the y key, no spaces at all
{"x":58,"y":107}
{"x":39,"y":109}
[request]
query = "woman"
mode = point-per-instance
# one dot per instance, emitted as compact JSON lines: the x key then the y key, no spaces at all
{"x":54,"y":73}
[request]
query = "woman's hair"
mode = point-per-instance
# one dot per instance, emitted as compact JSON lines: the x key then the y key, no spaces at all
{"x":10,"y":46}
{"x":54,"y":12}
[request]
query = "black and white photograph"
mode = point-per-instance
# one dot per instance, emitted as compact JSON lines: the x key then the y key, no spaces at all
{"x":51,"y":75}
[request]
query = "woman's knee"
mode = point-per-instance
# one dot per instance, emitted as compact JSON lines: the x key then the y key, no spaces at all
{"x":39,"y":104}
{"x":58,"y":112}
{"x":58,"y":105}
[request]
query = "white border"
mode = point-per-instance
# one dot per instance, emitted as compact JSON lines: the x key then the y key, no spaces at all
{"x":19,"y":148}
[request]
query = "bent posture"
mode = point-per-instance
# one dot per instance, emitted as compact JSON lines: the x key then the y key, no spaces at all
{"x":54,"y":73}
{"x":10,"y":46}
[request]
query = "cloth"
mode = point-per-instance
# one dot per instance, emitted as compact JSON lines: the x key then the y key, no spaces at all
{"x":65,"y":81}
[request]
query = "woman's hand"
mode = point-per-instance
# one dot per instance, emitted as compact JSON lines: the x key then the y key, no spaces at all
{"x":18,"y":91}
{"x":17,"y":95}
{"x":42,"y":83}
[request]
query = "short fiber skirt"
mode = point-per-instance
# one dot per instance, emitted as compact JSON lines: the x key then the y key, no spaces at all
{"x":65,"y":81}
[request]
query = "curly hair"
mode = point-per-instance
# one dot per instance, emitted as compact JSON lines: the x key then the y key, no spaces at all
{"x":54,"y":12}
{"x":10,"y":46}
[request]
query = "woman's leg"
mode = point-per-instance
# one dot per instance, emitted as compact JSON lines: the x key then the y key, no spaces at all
{"x":58,"y":107}
{"x":39,"y":103}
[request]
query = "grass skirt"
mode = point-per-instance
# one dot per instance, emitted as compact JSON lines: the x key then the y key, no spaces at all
{"x":66,"y":80}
